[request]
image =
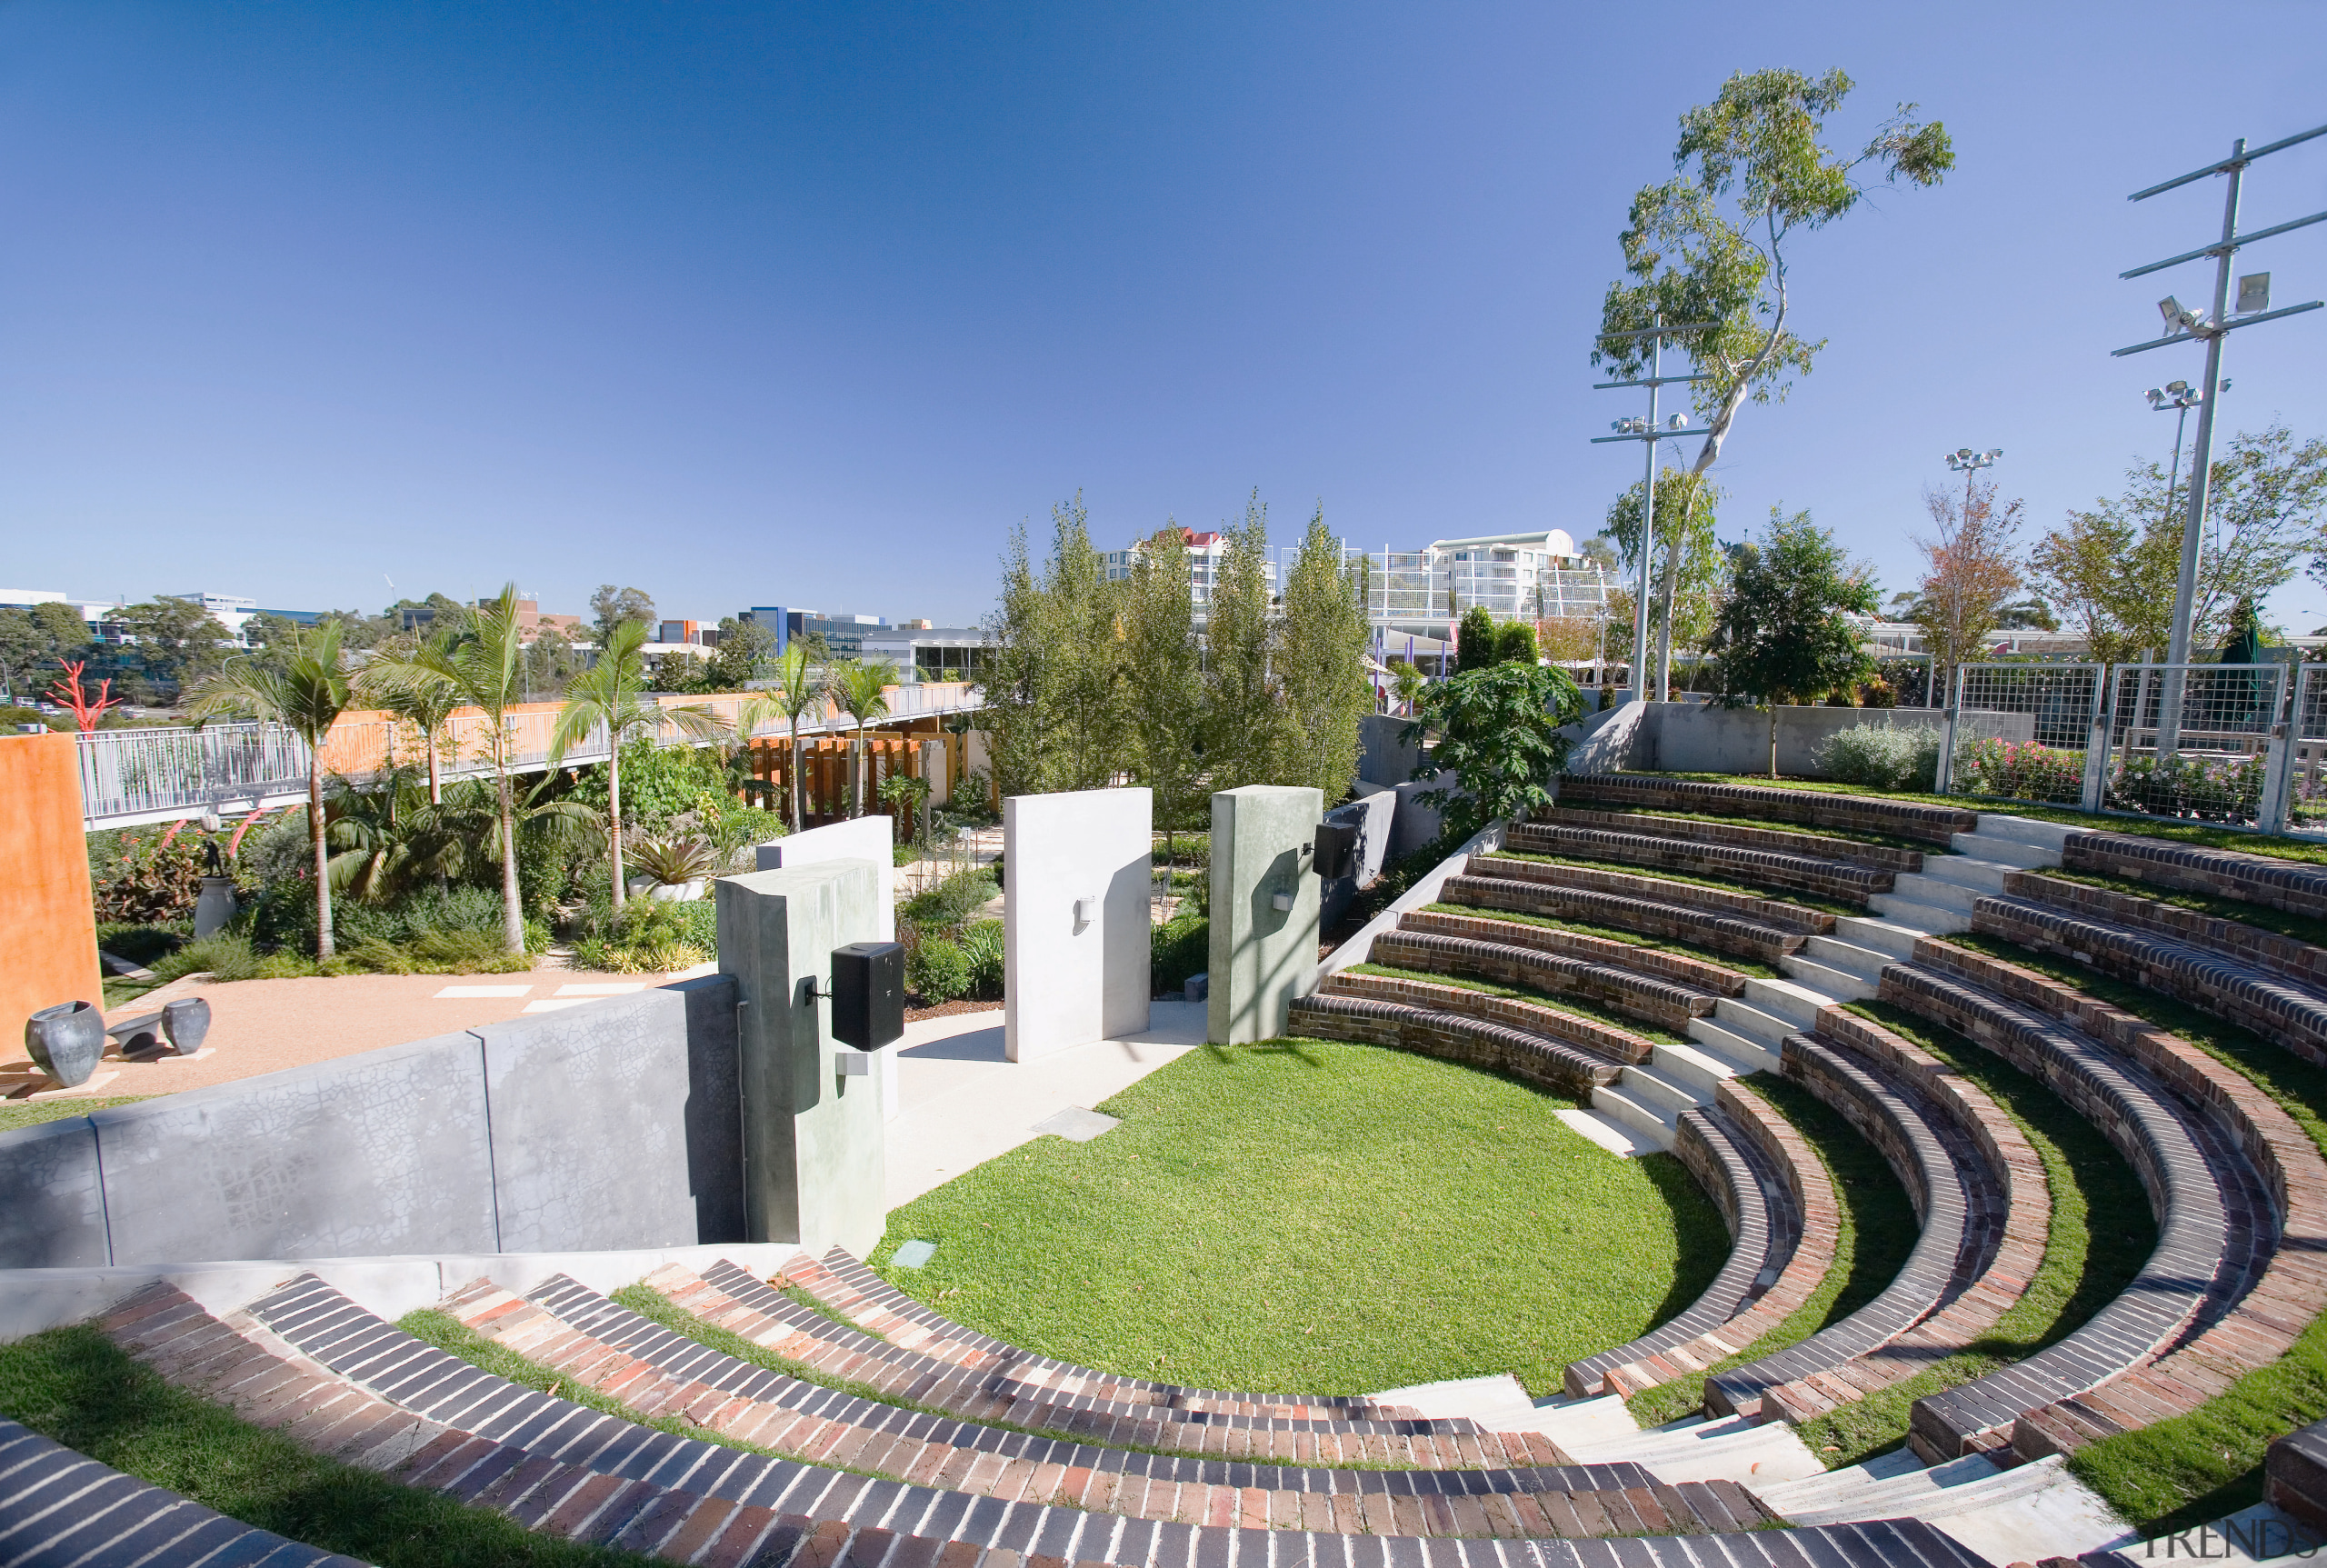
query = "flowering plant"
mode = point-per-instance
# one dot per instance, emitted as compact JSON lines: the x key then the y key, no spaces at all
{"x":2019,"y":770}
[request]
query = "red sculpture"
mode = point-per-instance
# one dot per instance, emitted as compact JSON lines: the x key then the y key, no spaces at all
{"x":86,"y":712}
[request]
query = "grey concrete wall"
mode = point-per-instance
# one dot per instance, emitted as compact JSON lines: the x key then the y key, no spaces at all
{"x":1703,"y":737}
{"x":1374,"y":814}
{"x":865,"y":838}
{"x":1382,"y":757}
{"x":814,"y":1151}
{"x":1260,"y":954}
{"x":1611,"y":740}
{"x":612,"y":1123}
{"x":1069,"y":982}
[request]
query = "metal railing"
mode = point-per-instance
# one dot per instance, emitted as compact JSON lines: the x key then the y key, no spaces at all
{"x":2024,"y":732}
{"x":134,"y":776}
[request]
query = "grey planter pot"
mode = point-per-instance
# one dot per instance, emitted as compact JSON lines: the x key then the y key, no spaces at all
{"x":186,"y":1022}
{"x":214,"y":908}
{"x":66,"y":1041}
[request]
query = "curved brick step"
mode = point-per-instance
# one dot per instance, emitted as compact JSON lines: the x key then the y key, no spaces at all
{"x":1761,"y":1197}
{"x":1348,"y":1011}
{"x":655,"y":1370}
{"x":1835,"y":879}
{"x":1649,"y":916}
{"x":453,"y":1409}
{"x":1957,"y":1197}
{"x":1860,"y":813}
{"x":2270,"y":1175}
{"x":2300,"y":961}
{"x":844,"y":1286}
{"x":1772,"y":912}
{"x":1784,"y":841}
{"x":60,"y":1507}
{"x":2281,"y":1010}
{"x":2215,"y":1224}
{"x":2297,"y":887}
{"x":1621,"y":990}
{"x":1674,"y":968}
{"x":1604,"y":1042}
{"x":2015,"y":1221}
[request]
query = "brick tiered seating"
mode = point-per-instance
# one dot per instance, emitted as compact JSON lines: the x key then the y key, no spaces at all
{"x":2215,"y":1224}
{"x":2253,"y":991}
{"x":58,"y":1507}
{"x":1606,"y":1041}
{"x":1757,"y":928}
{"x":1482,"y":952}
{"x":436,"y":1422}
{"x":1784,"y":841}
{"x":1858,"y":813}
{"x":1826,"y":878}
{"x":2296,"y":886}
{"x":2244,"y":1223}
{"x":1694,"y":974}
{"x":1767,"y":911}
{"x":1779,"y":1204}
{"x":1958,"y":1197}
{"x":1338,"y":1014}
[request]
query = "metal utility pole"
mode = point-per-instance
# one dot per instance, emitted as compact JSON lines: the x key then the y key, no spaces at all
{"x":2184,"y":325}
{"x":1647,"y":431}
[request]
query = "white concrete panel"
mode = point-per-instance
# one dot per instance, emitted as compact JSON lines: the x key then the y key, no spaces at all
{"x":865,"y":838}
{"x":1074,"y":971}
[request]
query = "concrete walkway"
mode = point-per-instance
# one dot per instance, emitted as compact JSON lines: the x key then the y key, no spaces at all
{"x":963,"y":1103}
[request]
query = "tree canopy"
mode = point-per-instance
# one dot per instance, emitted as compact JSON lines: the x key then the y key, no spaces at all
{"x":1784,"y":633}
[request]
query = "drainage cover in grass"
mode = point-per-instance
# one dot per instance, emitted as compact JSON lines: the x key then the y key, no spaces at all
{"x":1317,"y":1217}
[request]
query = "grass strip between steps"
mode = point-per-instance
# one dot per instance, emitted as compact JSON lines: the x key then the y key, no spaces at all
{"x":2261,"y":916}
{"x":2195,"y":1468}
{"x":1573,"y":1006}
{"x":1752,"y":968}
{"x":1874,"y":1231}
{"x":1732,"y":819}
{"x":2176,"y":830}
{"x":801,"y":1297}
{"x":2101,"y":1233}
{"x":79,"y":1388}
{"x":1808,"y":901}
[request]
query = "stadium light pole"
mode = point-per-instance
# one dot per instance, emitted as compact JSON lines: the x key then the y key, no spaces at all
{"x":1650,"y":432}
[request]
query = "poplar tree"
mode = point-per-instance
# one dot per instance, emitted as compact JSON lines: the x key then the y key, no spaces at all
{"x":1245,"y":722}
{"x":1323,"y":665}
{"x":1164,"y":680}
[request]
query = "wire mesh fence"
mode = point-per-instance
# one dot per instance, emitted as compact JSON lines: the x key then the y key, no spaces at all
{"x":2306,"y":799}
{"x":2194,"y":741}
{"x":2022,"y":731}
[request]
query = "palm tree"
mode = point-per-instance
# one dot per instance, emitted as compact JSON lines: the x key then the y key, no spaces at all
{"x":303,"y":685}
{"x":611,"y":692}
{"x":858,"y":687}
{"x":797,"y":690}
{"x":426,"y":708}
{"x":483,"y":668}
{"x":1408,"y":681}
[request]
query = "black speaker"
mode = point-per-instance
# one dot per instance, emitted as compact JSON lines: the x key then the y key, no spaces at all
{"x":1336,"y":850}
{"x":868,"y":994}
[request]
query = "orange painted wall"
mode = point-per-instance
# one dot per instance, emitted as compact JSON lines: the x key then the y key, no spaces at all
{"x":48,"y":949}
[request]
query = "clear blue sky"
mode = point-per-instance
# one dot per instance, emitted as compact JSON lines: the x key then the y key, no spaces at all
{"x":808,"y":304}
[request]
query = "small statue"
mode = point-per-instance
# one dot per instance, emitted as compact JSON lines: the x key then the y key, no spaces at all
{"x":210,"y":854}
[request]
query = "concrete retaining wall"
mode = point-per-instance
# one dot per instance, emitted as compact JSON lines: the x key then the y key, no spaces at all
{"x":615,"y":1123}
{"x":1703,"y":737}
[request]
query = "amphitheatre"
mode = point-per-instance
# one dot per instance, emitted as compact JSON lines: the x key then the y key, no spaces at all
{"x":2052,"y":1031}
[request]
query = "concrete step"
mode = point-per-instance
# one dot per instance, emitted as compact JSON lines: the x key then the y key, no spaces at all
{"x":1964,"y":1489}
{"x":1571,"y":1421}
{"x":1851,"y":957}
{"x":1788,"y":999}
{"x":1931,"y":919}
{"x":1753,"y":1456}
{"x":1884,"y":936}
{"x":1817,"y":1490}
{"x":1697,"y":1068}
{"x":1754,"y":1022}
{"x":1916,"y":887}
{"x":1668,"y":1095}
{"x":1839,"y":985}
{"x":1638,"y":1116}
{"x":2049,"y":835}
{"x":1758,"y":1054}
{"x":1966,"y":871}
{"x":1619,"y":1138}
{"x":2009,"y":851}
{"x":2023,"y":1517}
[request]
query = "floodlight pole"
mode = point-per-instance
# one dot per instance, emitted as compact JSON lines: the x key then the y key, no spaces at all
{"x":2185,"y":587}
{"x":1656,"y":334}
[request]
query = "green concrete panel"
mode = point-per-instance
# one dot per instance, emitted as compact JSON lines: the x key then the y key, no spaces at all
{"x":815,"y":1166}
{"x":1260,"y":954}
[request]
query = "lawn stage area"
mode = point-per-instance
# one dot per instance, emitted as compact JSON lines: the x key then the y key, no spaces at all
{"x":1308,"y":1216}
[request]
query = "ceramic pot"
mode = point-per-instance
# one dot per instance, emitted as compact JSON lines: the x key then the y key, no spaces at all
{"x":214,"y":908}
{"x":186,"y":1022}
{"x":66,"y":1041}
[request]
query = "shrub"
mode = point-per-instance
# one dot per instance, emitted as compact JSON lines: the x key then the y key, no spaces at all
{"x":144,"y":880}
{"x":954,"y":900}
{"x":981,"y":945}
{"x":1882,"y":756}
{"x":650,"y":936}
{"x":938,"y":970}
{"x":679,"y":858}
{"x":2212,"y":789}
{"x":1180,"y":948}
{"x":143,"y":944}
{"x":2020,"y":770}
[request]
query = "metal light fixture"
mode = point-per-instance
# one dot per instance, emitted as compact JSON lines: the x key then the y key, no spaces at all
{"x":2253,"y":293}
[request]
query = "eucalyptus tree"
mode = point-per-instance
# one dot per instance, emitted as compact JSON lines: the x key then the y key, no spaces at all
{"x":1711,"y":245}
{"x":611,"y":696}
{"x":1784,"y":633}
{"x":483,"y":668}
{"x":1692,"y":561}
{"x":1164,"y":678}
{"x":1320,"y":664}
{"x":303,"y":684}
{"x":860,"y":688}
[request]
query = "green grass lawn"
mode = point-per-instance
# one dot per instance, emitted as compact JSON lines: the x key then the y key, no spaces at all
{"x":2179,"y":831}
{"x":1876,"y":1229}
{"x":2102,"y":1233}
{"x":2197,"y":1467}
{"x":31,"y":1113}
{"x":73,"y":1384}
{"x":1308,"y":1216}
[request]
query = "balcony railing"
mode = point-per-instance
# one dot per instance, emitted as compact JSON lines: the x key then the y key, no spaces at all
{"x":134,"y":776}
